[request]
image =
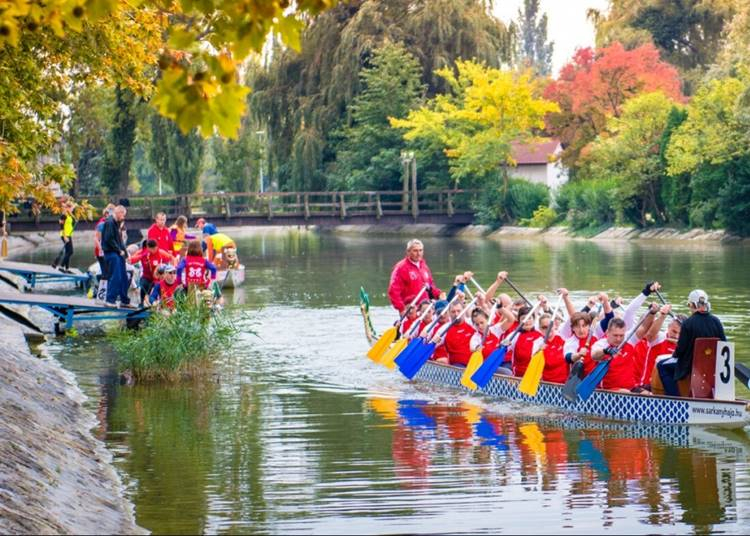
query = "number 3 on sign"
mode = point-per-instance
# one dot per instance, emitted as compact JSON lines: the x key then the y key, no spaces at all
{"x":724,"y":386}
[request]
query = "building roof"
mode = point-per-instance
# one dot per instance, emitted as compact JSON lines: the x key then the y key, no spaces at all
{"x":541,"y":152}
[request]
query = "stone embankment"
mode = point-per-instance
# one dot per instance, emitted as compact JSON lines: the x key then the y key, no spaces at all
{"x":55,"y":477}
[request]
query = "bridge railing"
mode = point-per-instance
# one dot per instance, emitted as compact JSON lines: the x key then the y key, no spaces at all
{"x":304,"y":205}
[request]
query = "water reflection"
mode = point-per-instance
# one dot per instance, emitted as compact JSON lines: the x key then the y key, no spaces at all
{"x":670,"y":474}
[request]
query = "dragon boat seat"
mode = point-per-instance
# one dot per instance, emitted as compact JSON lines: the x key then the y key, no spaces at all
{"x":703,"y":377}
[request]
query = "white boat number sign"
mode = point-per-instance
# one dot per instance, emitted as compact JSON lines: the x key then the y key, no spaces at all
{"x":724,"y":384}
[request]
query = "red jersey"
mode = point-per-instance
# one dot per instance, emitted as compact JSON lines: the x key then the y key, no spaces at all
{"x":440,"y":350}
{"x":150,"y":261}
{"x":196,"y":272}
{"x":407,"y":324}
{"x":574,"y":344}
{"x":621,"y":373}
{"x":555,"y":367}
{"x":166,"y":293}
{"x":490,"y":344}
{"x":162,"y":236}
{"x":523,"y":349}
{"x":458,"y":343}
{"x":640,"y":356}
{"x":507,"y":333}
{"x":660,"y":347}
{"x":407,"y":279}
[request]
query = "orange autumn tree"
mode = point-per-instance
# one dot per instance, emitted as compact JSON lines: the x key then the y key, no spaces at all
{"x":594,"y":86}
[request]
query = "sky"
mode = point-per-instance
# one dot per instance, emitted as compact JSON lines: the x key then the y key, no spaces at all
{"x":567,"y":25}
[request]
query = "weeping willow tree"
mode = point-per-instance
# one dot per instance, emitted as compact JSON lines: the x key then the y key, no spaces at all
{"x":304,"y":99}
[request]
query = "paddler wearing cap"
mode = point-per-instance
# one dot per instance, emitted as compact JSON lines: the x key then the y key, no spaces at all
{"x":216,"y":243}
{"x":700,"y":324}
{"x":162,"y":295}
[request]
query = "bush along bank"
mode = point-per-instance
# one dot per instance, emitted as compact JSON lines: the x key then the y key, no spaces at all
{"x":175,"y":344}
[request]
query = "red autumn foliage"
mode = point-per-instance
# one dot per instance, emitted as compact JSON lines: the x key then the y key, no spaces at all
{"x":596,"y":83}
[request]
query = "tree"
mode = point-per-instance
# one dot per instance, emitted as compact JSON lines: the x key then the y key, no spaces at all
{"x":675,"y":194}
{"x":476,"y":122}
{"x":687,"y":33}
{"x":49,"y":50}
{"x":369,"y":153}
{"x":238,"y":161}
{"x":178,"y":158}
{"x":629,"y":152}
{"x":532,"y":49}
{"x":304,"y":99}
{"x":118,"y":155}
{"x":711,"y":145}
{"x":595,"y":85}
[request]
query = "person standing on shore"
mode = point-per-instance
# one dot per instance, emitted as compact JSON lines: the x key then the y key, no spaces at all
{"x":67,"y":226}
{"x":409,"y":276}
{"x":114,"y":256}
{"x":160,"y":232}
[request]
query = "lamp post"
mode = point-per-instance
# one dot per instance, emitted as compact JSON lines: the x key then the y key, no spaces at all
{"x":409,"y":163}
{"x":261,"y":139}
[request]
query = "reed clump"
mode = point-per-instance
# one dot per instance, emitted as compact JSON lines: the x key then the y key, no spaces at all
{"x":175,"y":345}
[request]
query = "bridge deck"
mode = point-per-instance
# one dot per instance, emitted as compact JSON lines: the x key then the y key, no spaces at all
{"x":37,"y":273}
{"x":68,"y":309}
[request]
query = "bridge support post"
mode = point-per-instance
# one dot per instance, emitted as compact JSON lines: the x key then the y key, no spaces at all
{"x":342,"y":206}
{"x":451,"y":211}
{"x":414,"y":194}
{"x":378,"y":207}
{"x":270,"y":208}
{"x":307,"y":206}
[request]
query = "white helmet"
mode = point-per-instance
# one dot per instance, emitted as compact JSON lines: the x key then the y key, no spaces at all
{"x":699,"y":299}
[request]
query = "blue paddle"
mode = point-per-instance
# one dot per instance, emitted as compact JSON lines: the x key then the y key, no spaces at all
{"x":589,"y":383}
{"x":484,"y":373}
{"x":404,"y":357}
{"x":423,"y":353}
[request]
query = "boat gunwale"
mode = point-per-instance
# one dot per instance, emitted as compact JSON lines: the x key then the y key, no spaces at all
{"x":516,"y":379}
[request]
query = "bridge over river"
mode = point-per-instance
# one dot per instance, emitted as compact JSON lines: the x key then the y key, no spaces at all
{"x":326,"y":209}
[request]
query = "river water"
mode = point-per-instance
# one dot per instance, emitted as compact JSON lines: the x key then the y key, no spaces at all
{"x":299,"y":432}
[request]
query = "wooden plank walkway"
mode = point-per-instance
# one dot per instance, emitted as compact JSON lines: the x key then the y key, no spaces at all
{"x":42,"y":273}
{"x":67,"y":309}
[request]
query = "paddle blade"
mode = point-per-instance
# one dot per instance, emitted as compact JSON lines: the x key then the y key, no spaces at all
{"x":569,"y":390}
{"x":475,"y":361}
{"x":529,"y":384}
{"x":404,"y":356}
{"x":484,"y":373}
{"x":382,"y":344}
{"x":594,"y":378}
{"x":417,"y":360}
{"x":392,"y":353}
{"x":742,"y":373}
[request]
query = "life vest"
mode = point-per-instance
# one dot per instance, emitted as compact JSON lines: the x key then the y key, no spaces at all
{"x":220,"y":240}
{"x":179,"y":238}
{"x":195,"y":270}
{"x":166,"y":293}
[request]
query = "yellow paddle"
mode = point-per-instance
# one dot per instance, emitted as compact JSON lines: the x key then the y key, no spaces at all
{"x":477,"y":358}
{"x":529,"y":384}
{"x":389,"y":335}
{"x":388,"y":358}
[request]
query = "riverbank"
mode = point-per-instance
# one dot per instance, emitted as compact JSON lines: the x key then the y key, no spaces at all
{"x":55,"y":477}
{"x":552,"y":233}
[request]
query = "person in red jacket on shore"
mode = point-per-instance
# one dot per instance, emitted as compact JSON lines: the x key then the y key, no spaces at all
{"x":160,"y":232}
{"x":409,"y":276}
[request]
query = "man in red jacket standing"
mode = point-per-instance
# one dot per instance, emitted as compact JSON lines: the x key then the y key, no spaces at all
{"x":409,"y":276}
{"x":159,"y":232}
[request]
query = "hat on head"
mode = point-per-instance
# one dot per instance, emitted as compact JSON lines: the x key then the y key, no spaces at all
{"x":440,"y":305}
{"x":699,"y":299}
{"x":210,"y":229}
{"x":168,"y":269}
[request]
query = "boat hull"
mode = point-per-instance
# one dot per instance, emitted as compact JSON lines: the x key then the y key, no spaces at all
{"x":604,"y":404}
{"x":233,"y":279}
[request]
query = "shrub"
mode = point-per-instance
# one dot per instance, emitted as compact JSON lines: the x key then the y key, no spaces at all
{"x":589,"y":204}
{"x":543,"y":218}
{"x":181,"y":344}
{"x":495,"y":206}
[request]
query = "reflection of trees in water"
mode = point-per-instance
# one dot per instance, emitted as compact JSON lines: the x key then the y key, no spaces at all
{"x":594,"y":467}
{"x":170,"y":444}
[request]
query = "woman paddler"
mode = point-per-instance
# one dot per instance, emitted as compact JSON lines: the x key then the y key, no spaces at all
{"x":179,"y":235}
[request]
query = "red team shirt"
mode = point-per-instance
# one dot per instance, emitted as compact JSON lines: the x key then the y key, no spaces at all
{"x":162,"y":236}
{"x":621,"y":373}
{"x":458,"y":343}
{"x":523,"y":349}
{"x":150,"y":261}
{"x":555,"y":367}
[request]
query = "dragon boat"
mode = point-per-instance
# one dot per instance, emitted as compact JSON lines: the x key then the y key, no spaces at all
{"x":613,"y":405}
